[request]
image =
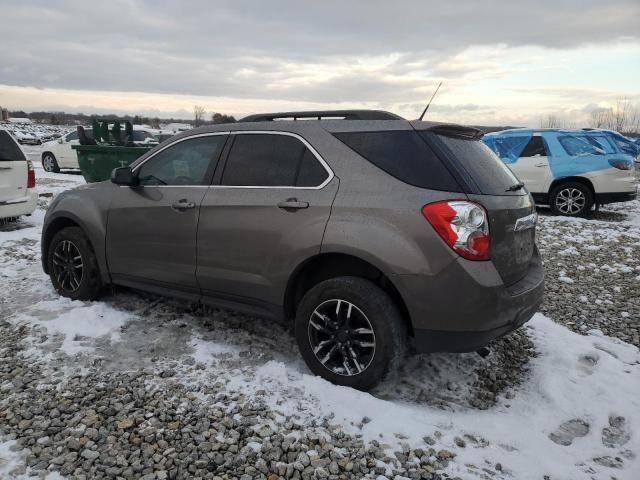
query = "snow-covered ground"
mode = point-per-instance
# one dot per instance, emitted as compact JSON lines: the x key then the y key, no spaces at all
{"x":548,"y":402}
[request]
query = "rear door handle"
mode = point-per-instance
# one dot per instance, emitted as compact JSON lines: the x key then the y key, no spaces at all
{"x":293,"y":204}
{"x":542,"y":164}
{"x":183,"y":205}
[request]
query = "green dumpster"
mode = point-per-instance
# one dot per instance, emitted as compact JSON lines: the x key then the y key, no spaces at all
{"x":98,"y":161}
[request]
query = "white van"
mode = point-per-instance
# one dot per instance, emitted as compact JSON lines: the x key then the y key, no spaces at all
{"x":17,"y":179}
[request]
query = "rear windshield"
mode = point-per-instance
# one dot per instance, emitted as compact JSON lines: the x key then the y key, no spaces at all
{"x":485,"y":169}
{"x":403,"y":155}
{"x":9,"y":149}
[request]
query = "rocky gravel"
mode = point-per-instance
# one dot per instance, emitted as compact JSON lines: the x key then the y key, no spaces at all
{"x":179,"y":392}
{"x":593,"y":271}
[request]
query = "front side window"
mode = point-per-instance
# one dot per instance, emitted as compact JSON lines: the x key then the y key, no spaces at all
{"x":535,"y":148}
{"x":268,"y":160}
{"x":72,"y":136}
{"x":183,"y":163}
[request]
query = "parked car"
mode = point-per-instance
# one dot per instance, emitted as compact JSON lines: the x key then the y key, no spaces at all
{"x":59,"y":155}
{"x":358,"y":232}
{"x":626,"y":145}
{"x":17,"y":179}
{"x":569,"y":170}
{"x":26,"y":138}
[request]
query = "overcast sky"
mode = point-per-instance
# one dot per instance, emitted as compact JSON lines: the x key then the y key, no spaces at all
{"x":507,"y":62}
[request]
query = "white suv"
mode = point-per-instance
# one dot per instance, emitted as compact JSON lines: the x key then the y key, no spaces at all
{"x":17,"y":179}
{"x":569,"y":170}
{"x":58,"y":154}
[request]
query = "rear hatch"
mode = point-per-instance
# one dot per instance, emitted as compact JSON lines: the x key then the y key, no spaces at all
{"x":13,"y":169}
{"x":490,"y":183}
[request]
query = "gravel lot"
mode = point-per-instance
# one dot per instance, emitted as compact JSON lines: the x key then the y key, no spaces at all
{"x":140,"y":387}
{"x":593,"y":271}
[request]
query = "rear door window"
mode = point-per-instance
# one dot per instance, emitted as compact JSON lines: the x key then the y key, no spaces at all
{"x":482,"y":165}
{"x":271,"y":160}
{"x":404,"y":155}
{"x":9,"y":149}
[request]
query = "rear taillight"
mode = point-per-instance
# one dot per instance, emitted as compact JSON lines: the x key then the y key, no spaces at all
{"x":621,"y":164}
{"x":31,"y":175}
{"x":464,"y":226}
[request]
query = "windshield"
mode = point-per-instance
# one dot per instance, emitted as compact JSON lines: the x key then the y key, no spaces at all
{"x":141,"y":135}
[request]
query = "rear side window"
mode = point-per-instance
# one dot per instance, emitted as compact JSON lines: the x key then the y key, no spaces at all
{"x":535,"y":148}
{"x":403,"y":155}
{"x":9,"y":149}
{"x":268,"y":160}
{"x":578,"y":145}
{"x":487,"y":171}
{"x":600,"y":141}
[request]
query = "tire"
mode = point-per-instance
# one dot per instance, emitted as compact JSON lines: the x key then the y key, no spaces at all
{"x":316,"y":322}
{"x":571,"y":199}
{"x":49,"y":163}
{"x":62,"y":264}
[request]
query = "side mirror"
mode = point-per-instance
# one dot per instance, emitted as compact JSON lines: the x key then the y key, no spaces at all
{"x":124,"y":176}
{"x":61,"y":140}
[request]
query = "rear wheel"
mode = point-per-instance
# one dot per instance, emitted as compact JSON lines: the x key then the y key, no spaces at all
{"x":72,"y":265}
{"x":571,"y":199}
{"x":350,"y":332}
{"x":49,"y":163}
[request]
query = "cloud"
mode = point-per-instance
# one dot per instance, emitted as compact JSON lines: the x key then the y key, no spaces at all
{"x":249,"y":54}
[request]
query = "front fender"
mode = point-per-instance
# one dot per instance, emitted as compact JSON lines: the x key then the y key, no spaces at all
{"x":87,"y":207}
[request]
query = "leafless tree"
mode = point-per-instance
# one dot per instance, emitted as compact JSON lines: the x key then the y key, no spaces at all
{"x":551,"y":121}
{"x":199,"y":113}
{"x":624,"y":116}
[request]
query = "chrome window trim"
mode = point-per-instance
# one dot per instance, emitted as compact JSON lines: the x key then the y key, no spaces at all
{"x":315,"y":153}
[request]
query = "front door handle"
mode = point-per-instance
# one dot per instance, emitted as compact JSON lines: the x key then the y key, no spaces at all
{"x":183,"y":205}
{"x":541,"y":164}
{"x":293,"y":204}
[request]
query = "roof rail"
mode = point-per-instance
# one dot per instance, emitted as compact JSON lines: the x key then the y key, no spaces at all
{"x":324,"y":114}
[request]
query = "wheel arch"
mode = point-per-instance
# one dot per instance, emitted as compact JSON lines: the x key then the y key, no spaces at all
{"x":325,"y":266}
{"x":583,"y":180}
{"x":65,"y":221}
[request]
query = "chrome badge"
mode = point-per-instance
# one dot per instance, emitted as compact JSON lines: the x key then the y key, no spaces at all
{"x":525,"y":223}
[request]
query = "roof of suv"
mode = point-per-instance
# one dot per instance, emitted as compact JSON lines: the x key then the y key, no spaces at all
{"x":336,"y":121}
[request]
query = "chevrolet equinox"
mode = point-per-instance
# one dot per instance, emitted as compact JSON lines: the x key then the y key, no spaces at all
{"x":362,"y":231}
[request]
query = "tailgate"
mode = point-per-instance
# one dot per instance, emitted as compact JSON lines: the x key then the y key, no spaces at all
{"x":512,"y":228}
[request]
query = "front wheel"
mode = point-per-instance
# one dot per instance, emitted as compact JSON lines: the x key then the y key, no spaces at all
{"x":350,"y":332}
{"x":49,"y":163}
{"x":572,"y":199}
{"x":72,"y":265}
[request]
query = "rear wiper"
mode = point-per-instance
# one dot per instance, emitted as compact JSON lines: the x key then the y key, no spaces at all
{"x":515,"y":188}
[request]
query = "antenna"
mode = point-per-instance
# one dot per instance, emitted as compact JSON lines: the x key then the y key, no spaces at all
{"x":430,"y":100}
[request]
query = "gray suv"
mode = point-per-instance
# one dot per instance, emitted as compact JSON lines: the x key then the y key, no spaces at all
{"x":362,"y":231}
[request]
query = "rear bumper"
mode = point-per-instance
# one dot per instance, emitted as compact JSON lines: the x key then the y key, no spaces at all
{"x":615,"y":197}
{"x":20,"y":206}
{"x":467,"y":305}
